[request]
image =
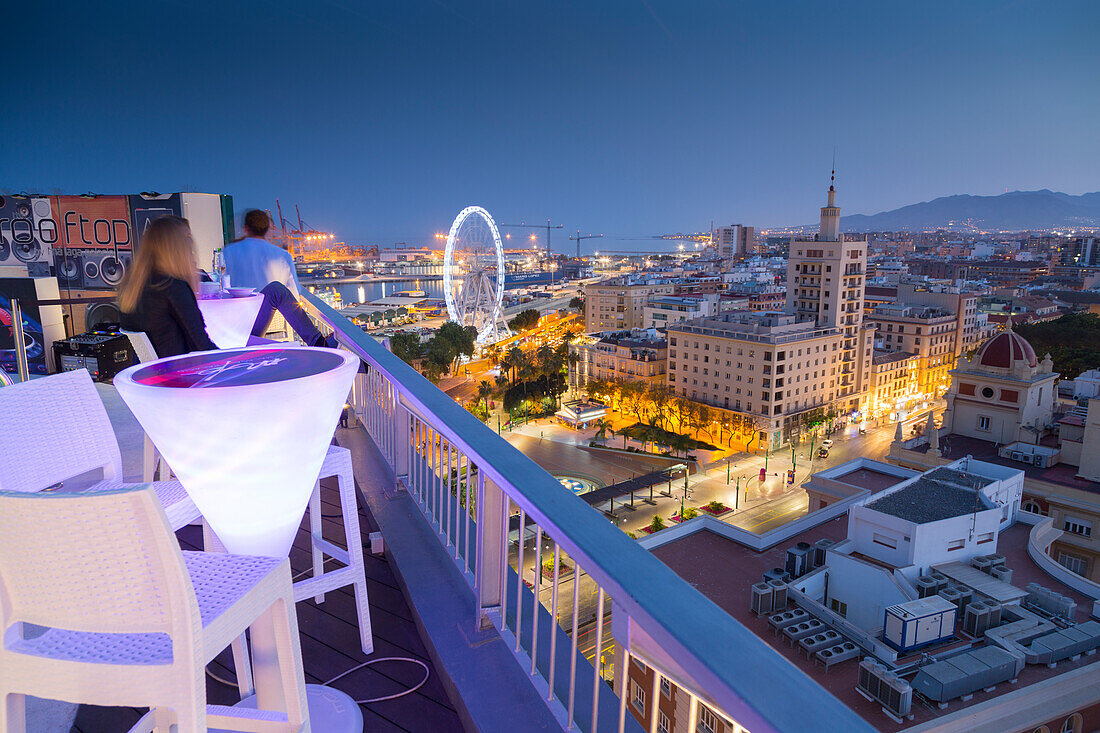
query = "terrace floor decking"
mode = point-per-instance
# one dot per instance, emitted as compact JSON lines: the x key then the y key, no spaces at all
{"x":329,"y":632}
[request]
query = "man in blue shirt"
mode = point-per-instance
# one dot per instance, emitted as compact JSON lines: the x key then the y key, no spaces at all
{"x":253,"y":262}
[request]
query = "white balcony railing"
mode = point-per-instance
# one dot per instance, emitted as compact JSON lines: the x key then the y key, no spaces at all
{"x":476,"y":490}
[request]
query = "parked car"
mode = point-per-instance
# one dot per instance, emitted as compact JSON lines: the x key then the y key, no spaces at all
{"x":827,"y":443}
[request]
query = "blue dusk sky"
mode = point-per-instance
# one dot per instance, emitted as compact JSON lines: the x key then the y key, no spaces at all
{"x":381,"y":120}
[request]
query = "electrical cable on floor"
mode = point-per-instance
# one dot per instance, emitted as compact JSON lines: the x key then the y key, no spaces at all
{"x":417,"y":686}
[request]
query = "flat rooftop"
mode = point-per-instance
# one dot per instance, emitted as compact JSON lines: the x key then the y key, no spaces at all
{"x":724,"y":571}
{"x":870,"y":479}
{"x":960,"y":446}
{"x":926,"y":501}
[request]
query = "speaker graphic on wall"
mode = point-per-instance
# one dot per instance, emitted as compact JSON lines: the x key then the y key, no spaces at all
{"x":69,"y":268}
{"x":101,"y":315}
{"x":104,"y":269}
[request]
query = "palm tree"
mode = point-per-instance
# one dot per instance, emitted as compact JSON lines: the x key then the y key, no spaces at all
{"x":603,"y":427}
{"x":484,"y":390}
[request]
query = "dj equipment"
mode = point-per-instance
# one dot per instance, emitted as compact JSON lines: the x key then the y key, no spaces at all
{"x":103,"y":353}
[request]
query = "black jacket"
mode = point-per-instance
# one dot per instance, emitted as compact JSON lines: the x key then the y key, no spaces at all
{"x":169,"y":315}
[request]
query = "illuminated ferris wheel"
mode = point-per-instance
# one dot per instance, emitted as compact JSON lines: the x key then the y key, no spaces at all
{"x":473,"y":274}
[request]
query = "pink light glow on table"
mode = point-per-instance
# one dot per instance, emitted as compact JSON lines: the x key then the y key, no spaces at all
{"x":229,"y":320}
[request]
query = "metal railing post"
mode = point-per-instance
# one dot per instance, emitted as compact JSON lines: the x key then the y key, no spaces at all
{"x":492,"y":535}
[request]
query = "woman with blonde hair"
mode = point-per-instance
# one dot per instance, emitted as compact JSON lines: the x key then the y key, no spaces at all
{"x":158,"y":294}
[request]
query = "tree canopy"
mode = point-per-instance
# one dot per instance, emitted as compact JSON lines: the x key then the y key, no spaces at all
{"x":525,"y":320}
{"x":406,"y":346}
{"x":1073,"y":342}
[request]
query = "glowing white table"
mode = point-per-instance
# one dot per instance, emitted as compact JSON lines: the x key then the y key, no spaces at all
{"x":229,"y":320}
{"x":246,"y":430}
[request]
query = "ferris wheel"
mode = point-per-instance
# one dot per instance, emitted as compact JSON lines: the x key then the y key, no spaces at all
{"x":473,"y":274}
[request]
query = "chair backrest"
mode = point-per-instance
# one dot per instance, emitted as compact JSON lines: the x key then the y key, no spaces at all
{"x":103,"y":562}
{"x":55,"y":428}
{"x":143,"y":347}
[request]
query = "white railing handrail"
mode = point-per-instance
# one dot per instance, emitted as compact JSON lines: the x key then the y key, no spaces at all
{"x":743,"y":676}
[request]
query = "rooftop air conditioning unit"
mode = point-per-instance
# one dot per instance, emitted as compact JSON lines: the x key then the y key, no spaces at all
{"x":779,"y":595}
{"x":981,"y":562}
{"x":1027,"y":458}
{"x":1016,"y":455}
{"x":896,"y":695}
{"x":926,"y":586}
{"x":1040,"y":460}
{"x":761,"y":598}
{"x":800,"y":559}
{"x":1000,"y":572}
{"x":996,"y":558}
{"x":777,"y":574}
{"x":820,"y":548}
{"x":976,"y":619}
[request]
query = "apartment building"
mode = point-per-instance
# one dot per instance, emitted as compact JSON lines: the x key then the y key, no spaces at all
{"x":619,"y":304}
{"x":825,"y":281}
{"x":735,"y":241}
{"x":637,"y":355}
{"x":772,"y":367}
{"x":663,"y":310}
{"x":953,"y":299}
{"x":926,"y":331}
{"x":893,"y":381}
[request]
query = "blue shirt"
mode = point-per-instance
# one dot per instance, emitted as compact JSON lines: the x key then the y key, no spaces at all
{"x":253,"y":263}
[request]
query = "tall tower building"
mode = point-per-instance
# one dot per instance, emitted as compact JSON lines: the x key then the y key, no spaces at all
{"x":736,"y":240}
{"x":825,"y":280}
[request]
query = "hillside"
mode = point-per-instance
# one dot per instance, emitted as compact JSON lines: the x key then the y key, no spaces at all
{"x":1016,"y":210}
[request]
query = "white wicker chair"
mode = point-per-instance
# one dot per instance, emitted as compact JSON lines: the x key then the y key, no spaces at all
{"x":338,"y":463}
{"x":66,"y":433}
{"x":130,"y":620}
{"x":153,"y":465}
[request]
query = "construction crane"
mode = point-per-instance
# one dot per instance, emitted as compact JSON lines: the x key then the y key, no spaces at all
{"x":547,"y":226}
{"x":302,"y":243}
{"x":580,"y":236}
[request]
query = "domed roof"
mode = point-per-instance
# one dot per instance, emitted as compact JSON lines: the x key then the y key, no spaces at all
{"x":1004,"y":350}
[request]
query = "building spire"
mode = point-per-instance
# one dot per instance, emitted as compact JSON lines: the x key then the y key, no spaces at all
{"x":830,"y":214}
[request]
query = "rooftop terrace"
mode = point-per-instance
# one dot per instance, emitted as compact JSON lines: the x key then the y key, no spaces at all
{"x":725,"y":571}
{"x":927,"y":500}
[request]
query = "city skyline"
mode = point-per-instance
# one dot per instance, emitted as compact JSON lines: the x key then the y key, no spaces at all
{"x":382,"y":125}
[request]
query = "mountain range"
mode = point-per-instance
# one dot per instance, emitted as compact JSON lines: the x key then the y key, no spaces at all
{"x":1016,"y":210}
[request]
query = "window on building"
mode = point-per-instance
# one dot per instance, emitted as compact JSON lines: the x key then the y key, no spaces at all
{"x":983,"y":423}
{"x":637,"y":697}
{"x":956,"y":544}
{"x":1072,"y":724}
{"x":666,"y":686}
{"x":1073,"y":563}
{"x":708,"y":721}
{"x":1077,"y":526}
{"x":663,"y":724}
{"x":839,"y":607}
{"x":880,"y":539}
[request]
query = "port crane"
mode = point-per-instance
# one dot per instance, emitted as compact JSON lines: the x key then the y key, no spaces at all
{"x":580,"y":236}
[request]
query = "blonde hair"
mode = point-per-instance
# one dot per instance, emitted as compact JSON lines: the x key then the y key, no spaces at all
{"x":166,"y":249}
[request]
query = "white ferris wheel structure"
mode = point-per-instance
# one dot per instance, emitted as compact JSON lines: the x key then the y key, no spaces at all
{"x":473,"y":274}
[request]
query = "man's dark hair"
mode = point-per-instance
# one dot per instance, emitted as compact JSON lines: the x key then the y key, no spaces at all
{"x":257,"y":222}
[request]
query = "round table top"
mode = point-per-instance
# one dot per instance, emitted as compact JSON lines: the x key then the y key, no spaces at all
{"x":223,"y":297}
{"x":236,"y":367}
